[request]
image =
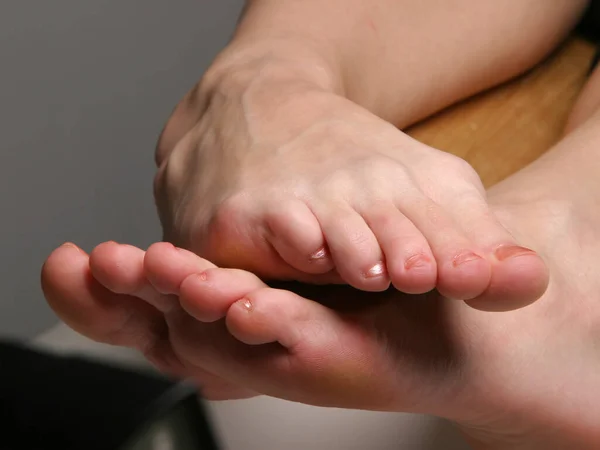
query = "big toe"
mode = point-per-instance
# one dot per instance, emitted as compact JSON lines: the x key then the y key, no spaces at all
{"x":61,"y":278}
{"x":84,"y":304}
{"x":478,"y":260}
{"x":519,"y":277}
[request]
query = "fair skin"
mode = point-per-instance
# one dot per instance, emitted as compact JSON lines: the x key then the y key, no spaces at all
{"x":282,"y":161}
{"x":525,"y":379}
{"x":522,"y":380}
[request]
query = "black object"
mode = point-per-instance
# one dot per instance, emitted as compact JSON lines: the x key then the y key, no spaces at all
{"x":590,"y":24}
{"x":69,"y":403}
{"x":589,"y":28}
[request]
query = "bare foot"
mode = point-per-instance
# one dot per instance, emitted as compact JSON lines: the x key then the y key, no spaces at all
{"x":292,"y":182}
{"x":523,"y":379}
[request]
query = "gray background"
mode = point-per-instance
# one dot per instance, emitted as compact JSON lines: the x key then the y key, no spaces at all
{"x":85,"y":88}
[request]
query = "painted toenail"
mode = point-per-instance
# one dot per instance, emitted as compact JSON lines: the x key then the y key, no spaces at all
{"x":511,"y":251}
{"x":319,"y":254}
{"x":202,"y":276}
{"x":464,"y":258}
{"x":377,"y":270}
{"x":246,"y":304}
{"x":416,"y":261}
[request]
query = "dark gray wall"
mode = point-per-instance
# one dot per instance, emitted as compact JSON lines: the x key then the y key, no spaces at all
{"x":85,"y":87}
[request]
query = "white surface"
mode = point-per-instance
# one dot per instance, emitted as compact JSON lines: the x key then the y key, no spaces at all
{"x":271,"y":424}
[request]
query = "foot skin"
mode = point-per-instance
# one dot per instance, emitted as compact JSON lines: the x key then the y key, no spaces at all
{"x":107,"y":297}
{"x":523,"y":379}
{"x":334,"y":194}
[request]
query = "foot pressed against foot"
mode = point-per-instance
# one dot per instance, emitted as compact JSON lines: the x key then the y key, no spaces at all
{"x":523,"y":379}
{"x":333,"y":191}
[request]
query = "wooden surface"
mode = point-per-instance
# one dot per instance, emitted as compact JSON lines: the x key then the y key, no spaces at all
{"x":504,"y":129}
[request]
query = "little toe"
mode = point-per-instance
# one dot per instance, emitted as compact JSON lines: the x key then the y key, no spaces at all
{"x":296,"y":235}
{"x":410,"y":263}
{"x":166,"y":266}
{"x":354,"y":248}
{"x":120,"y":268}
{"x":208,"y":295}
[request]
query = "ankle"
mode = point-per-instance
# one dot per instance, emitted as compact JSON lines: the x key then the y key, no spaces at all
{"x":272,"y":63}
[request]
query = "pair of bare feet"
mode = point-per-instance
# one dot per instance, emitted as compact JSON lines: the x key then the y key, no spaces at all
{"x":521,"y":379}
{"x":267,"y":167}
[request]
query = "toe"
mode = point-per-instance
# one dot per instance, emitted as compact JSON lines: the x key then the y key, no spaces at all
{"x":462,"y":271}
{"x":208,"y":295}
{"x":101,"y":314}
{"x":410,"y":263}
{"x":262,"y":322}
{"x":269,"y":315}
{"x":327,"y":360}
{"x":518,"y":275}
{"x":94,"y":311}
{"x":120,"y":268}
{"x":166,"y":266}
{"x":296,"y":235}
{"x":354,"y":248}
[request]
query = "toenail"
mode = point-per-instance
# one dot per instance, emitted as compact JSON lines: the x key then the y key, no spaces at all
{"x":71,"y":245}
{"x":246,"y":304}
{"x":416,"y":261}
{"x":511,"y":251}
{"x":319,"y":254}
{"x":465,"y":257}
{"x":376,"y":271}
{"x":202,"y":276}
